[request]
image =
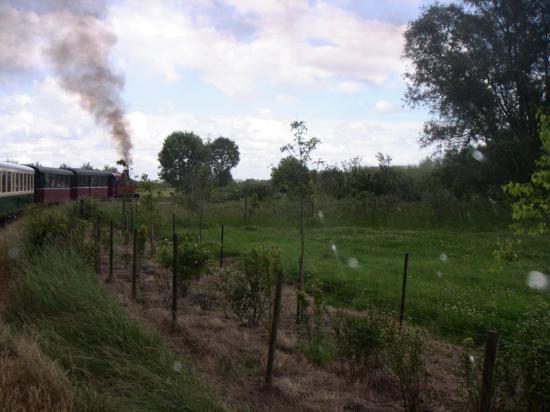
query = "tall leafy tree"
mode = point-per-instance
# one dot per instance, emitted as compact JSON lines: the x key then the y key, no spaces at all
{"x":531,"y":208}
{"x":292,"y":176}
{"x":481,"y":67}
{"x":181,"y":160}
{"x":223,"y":155}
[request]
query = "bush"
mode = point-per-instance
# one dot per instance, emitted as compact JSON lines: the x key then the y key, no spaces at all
{"x":316,"y":347}
{"x":249,"y":290}
{"x":522,"y":363}
{"x":192,"y":259}
{"x":404,"y":360}
{"x":358,"y":342}
{"x":46,"y":226}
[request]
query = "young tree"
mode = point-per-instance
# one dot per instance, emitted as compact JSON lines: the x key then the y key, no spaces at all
{"x":481,"y":66}
{"x":223,"y":155}
{"x":181,"y":158}
{"x":531,"y":209}
{"x":87,"y":166}
{"x":292,"y":176}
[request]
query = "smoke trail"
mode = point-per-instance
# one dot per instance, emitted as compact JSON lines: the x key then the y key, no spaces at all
{"x":76,"y":43}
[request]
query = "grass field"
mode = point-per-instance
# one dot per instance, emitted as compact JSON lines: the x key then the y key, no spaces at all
{"x":451,"y":288}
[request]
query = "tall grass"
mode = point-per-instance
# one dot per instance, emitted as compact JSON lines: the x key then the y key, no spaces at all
{"x":124,"y":366}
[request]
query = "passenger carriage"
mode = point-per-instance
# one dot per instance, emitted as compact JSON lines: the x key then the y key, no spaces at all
{"x":89,"y":183}
{"x":52,"y":185}
{"x":16,"y":188}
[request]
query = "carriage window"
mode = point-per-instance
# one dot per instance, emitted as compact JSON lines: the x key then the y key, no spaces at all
{"x":9,"y":182}
{"x":32,"y":182}
{"x":2,"y":184}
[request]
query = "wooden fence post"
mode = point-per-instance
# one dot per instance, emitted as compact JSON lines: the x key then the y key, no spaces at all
{"x":274,"y":328}
{"x":97,"y":236}
{"x":134,"y":267}
{"x":175,"y":280}
{"x":221,"y":249}
{"x":111,"y":251}
{"x":488,"y":371}
{"x":402,"y":309}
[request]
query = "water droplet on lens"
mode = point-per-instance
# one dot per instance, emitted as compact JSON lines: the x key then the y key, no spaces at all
{"x":478,"y":155}
{"x":537,"y":280}
{"x":439,"y":274}
{"x":321,"y":214}
{"x":444,"y":257}
{"x":333,"y":247}
{"x":13,"y":253}
{"x":353,"y":263}
{"x":176,"y":366}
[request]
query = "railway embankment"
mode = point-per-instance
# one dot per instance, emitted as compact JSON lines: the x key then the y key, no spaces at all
{"x":66,"y":345}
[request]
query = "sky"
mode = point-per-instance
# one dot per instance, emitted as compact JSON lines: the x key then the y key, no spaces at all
{"x":243,"y":69}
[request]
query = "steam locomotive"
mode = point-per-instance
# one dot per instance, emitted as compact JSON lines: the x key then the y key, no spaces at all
{"x":21,"y":185}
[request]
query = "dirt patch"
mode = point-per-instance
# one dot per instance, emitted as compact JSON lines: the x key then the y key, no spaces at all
{"x":231,"y":358}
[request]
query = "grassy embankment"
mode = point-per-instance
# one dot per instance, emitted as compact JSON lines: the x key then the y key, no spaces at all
{"x":66,"y":345}
{"x":451,"y":288}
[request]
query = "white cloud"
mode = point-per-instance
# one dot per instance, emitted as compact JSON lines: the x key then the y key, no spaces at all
{"x":285,"y":98}
{"x":163,"y":37}
{"x":348,"y":87}
{"x":386,"y":106}
{"x":48,"y":126}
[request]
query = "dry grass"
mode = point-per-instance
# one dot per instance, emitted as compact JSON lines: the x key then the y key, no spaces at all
{"x":231,"y":357}
{"x":29,"y":379}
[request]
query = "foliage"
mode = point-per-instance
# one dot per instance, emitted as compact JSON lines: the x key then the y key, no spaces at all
{"x":316,"y":347}
{"x":193,"y":258}
{"x":506,"y":251}
{"x":479,"y":65}
{"x":45,"y":226}
{"x":404,"y":360}
{"x":223,"y":155}
{"x":521,"y":377}
{"x":531,"y":209}
{"x":358,"y":342}
{"x":249,"y":290}
{"x":112,"y":361}
{"x":180,"y":159}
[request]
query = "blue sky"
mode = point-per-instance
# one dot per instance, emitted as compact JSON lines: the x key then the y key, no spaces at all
{"x":239,"y":68}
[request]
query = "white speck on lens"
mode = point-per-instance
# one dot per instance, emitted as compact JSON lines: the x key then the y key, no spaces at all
{"x":439,"y":274}
{"x":478,"y":155}
{"x":537,"y":280}
{"x":472,"y":359}
{"x":321,"y":214}
{"x":13,"y":253}
{"x":353,"y":263}
{"x":176,"y":366}
{"x":333,"y":247}
{"x":444,"y":257}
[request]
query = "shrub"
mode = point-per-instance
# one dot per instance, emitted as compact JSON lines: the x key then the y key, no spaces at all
{"x":404,"y":360}
{"x":192,"y":259}
{"x":315,"y":347}
{"x":521,"y":378}
{"x":249,"y":290}
{"x":46,"y":226}
{"x":358,"y":342}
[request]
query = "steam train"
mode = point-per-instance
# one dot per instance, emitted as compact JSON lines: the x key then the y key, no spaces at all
{"x":21,"y":185}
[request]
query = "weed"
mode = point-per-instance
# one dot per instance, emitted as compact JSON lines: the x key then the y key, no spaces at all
{"x":404,"y":360}
{"x":358,"y":342}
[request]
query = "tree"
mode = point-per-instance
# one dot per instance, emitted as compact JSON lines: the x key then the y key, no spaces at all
{"x":111,"y":169}
{"x":181,"y":158}
{"x":481,"y":67}
{"x":292,"y":176}
{"x":87,"y":166}
{"x":531,"y":209}
{"x":64,"y":166}
{"x":223,"y":155}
